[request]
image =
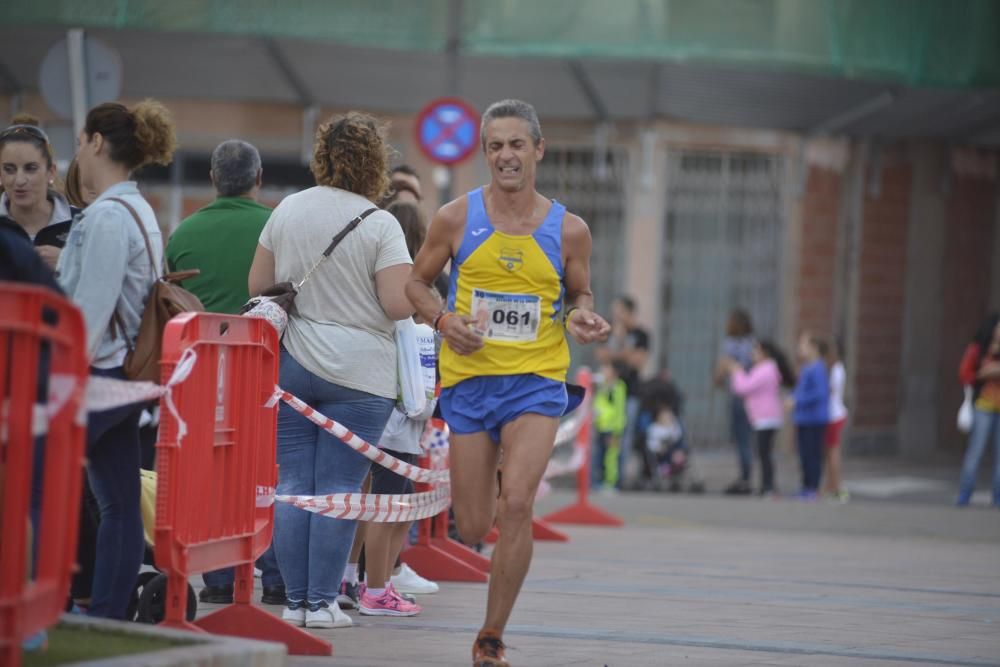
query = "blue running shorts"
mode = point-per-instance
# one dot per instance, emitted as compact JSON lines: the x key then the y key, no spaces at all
{"x":489,"y":402}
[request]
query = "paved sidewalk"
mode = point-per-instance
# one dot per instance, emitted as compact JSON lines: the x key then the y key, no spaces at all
{"x":710,"y":580}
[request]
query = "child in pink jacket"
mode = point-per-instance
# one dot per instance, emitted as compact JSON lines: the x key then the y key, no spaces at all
{"x":760,"y":388}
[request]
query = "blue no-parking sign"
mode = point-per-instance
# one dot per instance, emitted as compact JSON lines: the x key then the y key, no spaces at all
{"x":447,"y":130}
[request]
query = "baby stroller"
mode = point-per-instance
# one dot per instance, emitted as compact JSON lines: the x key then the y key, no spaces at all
{"x":667,"y":456}
{"x":148,"y":603}
{"x":662,"y":459}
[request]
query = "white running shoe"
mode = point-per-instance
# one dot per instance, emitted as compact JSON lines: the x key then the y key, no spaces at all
{"x":324,"y":616}
{"x":294,"y":613}
{"x":408,"y":581}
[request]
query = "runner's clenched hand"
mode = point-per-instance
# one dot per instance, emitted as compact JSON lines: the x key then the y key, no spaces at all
{"x":461,"y":338}
{"x":587,"y":327}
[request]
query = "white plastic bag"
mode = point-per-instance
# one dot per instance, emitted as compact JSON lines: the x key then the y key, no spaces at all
{"x":965,"y":414}
{"x":412,"y":395}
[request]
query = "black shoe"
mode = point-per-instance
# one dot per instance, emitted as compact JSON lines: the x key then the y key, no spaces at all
{"x":216,"y":594}
{"x":739,"y":488}
{"x":348,"y":596}
{"x":274,"y":595}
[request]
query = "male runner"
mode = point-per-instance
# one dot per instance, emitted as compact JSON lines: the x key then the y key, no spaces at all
{"x":520,"y":276}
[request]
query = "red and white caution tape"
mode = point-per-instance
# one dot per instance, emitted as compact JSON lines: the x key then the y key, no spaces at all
{"x":557,"y":468}
{"x":569,"y":428}
{"x":103,"y":393}
{"x":379,"y":508}
{"x":356,"y":443}
{"x":265,"y":496}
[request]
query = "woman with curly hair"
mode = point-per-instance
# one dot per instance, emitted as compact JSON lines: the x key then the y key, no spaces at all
{"x":107,"y":271}
{"x":338,"y":353}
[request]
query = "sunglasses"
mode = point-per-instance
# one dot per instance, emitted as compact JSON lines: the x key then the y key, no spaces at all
{"x":30,"y":130}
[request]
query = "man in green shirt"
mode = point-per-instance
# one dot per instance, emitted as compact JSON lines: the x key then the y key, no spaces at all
{"x":221,"y":238}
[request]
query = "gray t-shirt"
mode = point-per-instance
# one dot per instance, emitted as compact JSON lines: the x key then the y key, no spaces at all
{"x":339,"y":331}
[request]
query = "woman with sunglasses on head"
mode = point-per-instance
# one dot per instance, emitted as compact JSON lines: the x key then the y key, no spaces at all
{"x":31,"y":203}
{"x":107,"y":270}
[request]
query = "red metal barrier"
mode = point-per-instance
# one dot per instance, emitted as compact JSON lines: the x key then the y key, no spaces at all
{"x":206,"y":513}
{"x":582,"y":511}
{"x":29,"y":317}
{"x":437,"y":556}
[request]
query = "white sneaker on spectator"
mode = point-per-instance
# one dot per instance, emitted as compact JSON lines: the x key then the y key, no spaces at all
{"x":408,"y":581}
{"x":294,"y":613}
{"x":322,"y":615}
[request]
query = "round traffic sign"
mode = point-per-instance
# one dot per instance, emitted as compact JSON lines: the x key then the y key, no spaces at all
{"x":447,"y":130}
{"x":104,"y":75}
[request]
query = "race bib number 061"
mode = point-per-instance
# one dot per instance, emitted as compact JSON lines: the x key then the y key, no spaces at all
{"x":506,"y":317}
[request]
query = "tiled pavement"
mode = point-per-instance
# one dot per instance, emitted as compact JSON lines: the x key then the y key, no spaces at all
{"x":710,"y":580}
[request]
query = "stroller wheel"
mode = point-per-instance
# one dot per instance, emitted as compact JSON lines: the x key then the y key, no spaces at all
{"x":153,"y":601}
{"x":140,"y":583}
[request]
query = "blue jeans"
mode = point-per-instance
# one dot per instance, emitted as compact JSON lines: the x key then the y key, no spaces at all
{"x":312,"y":550}
{"x":270,"y":575}
{"x":810,"y":442}
{"x":742,"y":432}
{"x":598,"y":452}
{"x":627,"y":445}
{"x":984,"y":424}
{"x":113,"y":471}
{"x":37,"y":495}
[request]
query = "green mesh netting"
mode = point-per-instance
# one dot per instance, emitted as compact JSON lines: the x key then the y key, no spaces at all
{"x":399,"y":24}
{"x":918,"y":42}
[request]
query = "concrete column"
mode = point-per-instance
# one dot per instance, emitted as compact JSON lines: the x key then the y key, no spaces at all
{"x":796,"y":172}
{"x":643,"y":230}
{"x":923,"y":309}
{"x":852,"y":213}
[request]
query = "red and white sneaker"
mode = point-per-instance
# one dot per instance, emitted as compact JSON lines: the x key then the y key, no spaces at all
{"x":390,"y":603}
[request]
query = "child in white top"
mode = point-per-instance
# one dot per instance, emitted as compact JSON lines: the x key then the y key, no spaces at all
{"x":833,"y":482}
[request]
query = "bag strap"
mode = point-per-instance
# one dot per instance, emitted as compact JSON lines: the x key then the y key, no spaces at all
{"x":116,"y":319}
{"x":335,"y":242}
{"x":142,"y":229}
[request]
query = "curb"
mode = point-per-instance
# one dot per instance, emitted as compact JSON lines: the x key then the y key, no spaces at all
{"x":202,"y":650}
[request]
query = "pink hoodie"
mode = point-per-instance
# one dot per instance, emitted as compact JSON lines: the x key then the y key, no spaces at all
{"x":760,"y":388}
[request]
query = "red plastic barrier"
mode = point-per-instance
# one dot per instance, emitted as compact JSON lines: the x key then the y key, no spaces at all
{"x":582,"y":512}
{"x":437,"y":556}
{"x":29,"y":316}
{"x":206,"y":512}
{"x":540,"y":531}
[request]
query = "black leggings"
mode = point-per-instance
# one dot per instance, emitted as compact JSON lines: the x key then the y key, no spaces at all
{"x":765,"y":446}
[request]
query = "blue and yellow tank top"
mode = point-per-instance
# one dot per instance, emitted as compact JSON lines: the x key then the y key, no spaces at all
{"x":513,"y":287}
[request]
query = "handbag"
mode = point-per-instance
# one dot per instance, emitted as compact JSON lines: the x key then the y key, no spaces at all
{"x":276,"y":302}
{"x":166,"y":299}
{"x":965,"y":414}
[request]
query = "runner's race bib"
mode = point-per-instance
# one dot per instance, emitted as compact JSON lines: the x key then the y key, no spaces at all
{"x":506,"y":317}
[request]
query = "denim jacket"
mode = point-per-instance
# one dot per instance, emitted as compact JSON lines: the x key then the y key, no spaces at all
{"x":105,"y":267}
